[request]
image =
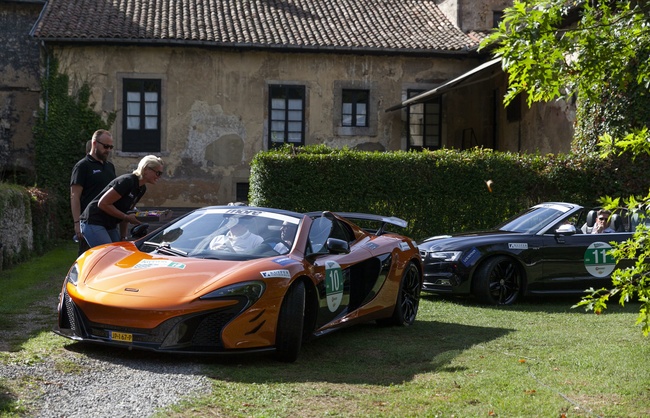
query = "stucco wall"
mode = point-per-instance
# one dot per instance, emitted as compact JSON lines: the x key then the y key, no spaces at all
{"x":472,"y":15}
{"x":215,"y":106}
{"x":19,"y":87}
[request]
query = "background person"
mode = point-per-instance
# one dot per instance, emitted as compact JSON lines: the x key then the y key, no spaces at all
{"x":601,"y":226}
{"x":110,"y":208}
{"x":89,"y":177}
{"x":287,"y":235}
{"x":237,"y":239}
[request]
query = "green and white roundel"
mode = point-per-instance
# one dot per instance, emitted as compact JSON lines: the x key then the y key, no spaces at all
{"x":333,"y":285}
{"x":598,"y":261}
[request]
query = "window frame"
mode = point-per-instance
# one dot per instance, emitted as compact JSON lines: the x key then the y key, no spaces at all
{"x":287,"y":92}
{"x":370,"y":130}
{"x":355,"y":98}
{"x":141,"y":140}
{"x":429,"y":129}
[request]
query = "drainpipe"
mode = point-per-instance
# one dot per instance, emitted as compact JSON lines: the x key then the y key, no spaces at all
{"x":47,"y":75}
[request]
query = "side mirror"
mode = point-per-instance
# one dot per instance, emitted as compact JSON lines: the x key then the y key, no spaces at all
{"x":337,"y":246}
{"x":566,"y":229}
{"x":139,"y":231}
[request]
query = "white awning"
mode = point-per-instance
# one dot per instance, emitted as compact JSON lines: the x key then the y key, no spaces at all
{"x":449,"y":85}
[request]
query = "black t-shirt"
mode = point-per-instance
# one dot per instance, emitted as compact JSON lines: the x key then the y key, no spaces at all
{"x":93,"y":176}
{"x":127,"y":186}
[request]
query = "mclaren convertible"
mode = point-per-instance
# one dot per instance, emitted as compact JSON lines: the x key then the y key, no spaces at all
{"x":546,"y":250}
{"x":235,"y":279}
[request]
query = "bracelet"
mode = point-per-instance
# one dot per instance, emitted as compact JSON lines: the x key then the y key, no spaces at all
{"x":76,"y":222}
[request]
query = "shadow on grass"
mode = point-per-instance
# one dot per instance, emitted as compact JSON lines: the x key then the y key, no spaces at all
{"x":538,"y":303}
{"x":363,"y":354}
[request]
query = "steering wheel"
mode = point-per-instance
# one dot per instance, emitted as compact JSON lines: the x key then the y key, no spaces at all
{"x":272,"y":242}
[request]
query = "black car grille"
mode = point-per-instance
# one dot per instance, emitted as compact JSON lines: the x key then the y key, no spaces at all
{"x":194,"y":332}
{"x":209,"y":330}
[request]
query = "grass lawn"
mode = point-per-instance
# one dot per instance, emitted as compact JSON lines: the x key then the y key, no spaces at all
{"x":539,"y":358}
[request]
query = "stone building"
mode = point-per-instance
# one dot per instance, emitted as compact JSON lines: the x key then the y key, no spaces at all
{"x":19,"y":85}
{"x":208,"y":84}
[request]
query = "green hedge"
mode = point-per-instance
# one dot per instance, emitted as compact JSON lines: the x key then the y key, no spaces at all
{"x":438,"y":192}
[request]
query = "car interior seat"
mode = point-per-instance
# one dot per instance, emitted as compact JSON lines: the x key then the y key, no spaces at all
{"x":591,"y":220}
{"x":616,"y":223}
{"x":638,"y":218}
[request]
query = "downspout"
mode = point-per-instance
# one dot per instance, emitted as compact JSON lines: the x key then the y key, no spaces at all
{"x":46,"y":99}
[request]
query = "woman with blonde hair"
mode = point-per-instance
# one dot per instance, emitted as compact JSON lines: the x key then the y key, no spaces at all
{"x":110,"y":208}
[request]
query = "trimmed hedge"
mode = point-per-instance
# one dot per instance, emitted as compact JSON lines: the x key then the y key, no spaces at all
{"x":437,"y":192}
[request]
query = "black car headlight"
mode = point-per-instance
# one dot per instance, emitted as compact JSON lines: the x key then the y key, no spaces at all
{"x":249,"y":290}
{"x":73,"y":275}
{"x":445,"y":255}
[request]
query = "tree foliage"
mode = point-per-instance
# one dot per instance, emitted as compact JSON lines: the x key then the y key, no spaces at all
{"x":64,"y":125}
{"x":597,"y":51}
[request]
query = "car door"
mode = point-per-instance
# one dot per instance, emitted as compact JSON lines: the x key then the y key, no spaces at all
{"x":332,"y":269}
{"x":576,"y":262}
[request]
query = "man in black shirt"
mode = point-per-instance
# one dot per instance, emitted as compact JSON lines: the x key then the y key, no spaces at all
{"x":89,"y":177}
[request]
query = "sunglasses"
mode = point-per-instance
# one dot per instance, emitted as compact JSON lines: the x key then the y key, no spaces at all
{"x":158,"y":173}
{"x":602,"y":218}
{"x":105,"y":145}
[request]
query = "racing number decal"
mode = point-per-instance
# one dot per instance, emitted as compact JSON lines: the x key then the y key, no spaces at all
{"x":598,"y":261}
{"x":333,"y":285}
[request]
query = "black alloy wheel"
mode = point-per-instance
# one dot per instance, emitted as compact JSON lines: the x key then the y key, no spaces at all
{"x":498,"y":281}
{"x":408,"y":298}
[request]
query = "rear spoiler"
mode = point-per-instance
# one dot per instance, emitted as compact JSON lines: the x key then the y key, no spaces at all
{"x":385,"y":220}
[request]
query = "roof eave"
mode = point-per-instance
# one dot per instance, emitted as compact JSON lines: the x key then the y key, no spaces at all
{"x":257,"y":46}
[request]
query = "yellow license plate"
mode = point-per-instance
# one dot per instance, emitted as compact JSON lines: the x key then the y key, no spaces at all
{"x":121,"y":336}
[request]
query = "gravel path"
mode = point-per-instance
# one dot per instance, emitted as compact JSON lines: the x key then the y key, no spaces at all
{"x":75,"y":384}
{"x":94,"y":381}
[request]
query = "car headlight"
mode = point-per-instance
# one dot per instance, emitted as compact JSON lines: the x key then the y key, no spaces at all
{"x":73,"y":275}
{"x":250,"y":290}
{"x":445,"y":255}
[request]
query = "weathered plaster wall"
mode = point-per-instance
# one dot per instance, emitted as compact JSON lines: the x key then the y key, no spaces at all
{"x":472,"y":15}
{"x":215,"y":106}
{"x":542,"y":128}
{"x":19,"y":87}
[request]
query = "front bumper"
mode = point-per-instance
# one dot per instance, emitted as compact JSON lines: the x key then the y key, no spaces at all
{"x":445,"y":278}
{"x":193,"y":333}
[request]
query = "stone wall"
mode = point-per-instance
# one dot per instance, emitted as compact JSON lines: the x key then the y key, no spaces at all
{"x":16,"y":232}
{"x":473,"y":15}
{"x":19,"y":87}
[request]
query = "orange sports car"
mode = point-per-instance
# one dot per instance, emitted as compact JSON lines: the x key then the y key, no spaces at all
{"x":242,"y":279}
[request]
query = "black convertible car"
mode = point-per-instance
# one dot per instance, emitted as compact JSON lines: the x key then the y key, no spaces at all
{"x":548,"y":249}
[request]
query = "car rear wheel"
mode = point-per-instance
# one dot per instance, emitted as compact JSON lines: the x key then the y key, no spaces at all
{"x":408,"y":298}
{"x":288,"y":338}
{"x":498,"y":281}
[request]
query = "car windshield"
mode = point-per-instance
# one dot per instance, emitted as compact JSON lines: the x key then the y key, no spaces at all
{"x":226,"y":234}
{"x":534,"y":219}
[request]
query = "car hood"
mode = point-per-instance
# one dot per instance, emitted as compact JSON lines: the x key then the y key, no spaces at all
{"x":125,"y":270}
{"x":466,"y":240}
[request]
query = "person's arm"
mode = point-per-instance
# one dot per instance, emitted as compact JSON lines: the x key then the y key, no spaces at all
{"x":75,"y":207}
{"x":107,"y":204}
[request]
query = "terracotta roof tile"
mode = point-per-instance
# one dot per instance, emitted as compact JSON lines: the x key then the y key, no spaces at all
{"x":403,"y":25}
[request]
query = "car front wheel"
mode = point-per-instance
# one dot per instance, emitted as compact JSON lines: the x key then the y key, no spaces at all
{"x":498,"y":281}
{"x":291,"y":320}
